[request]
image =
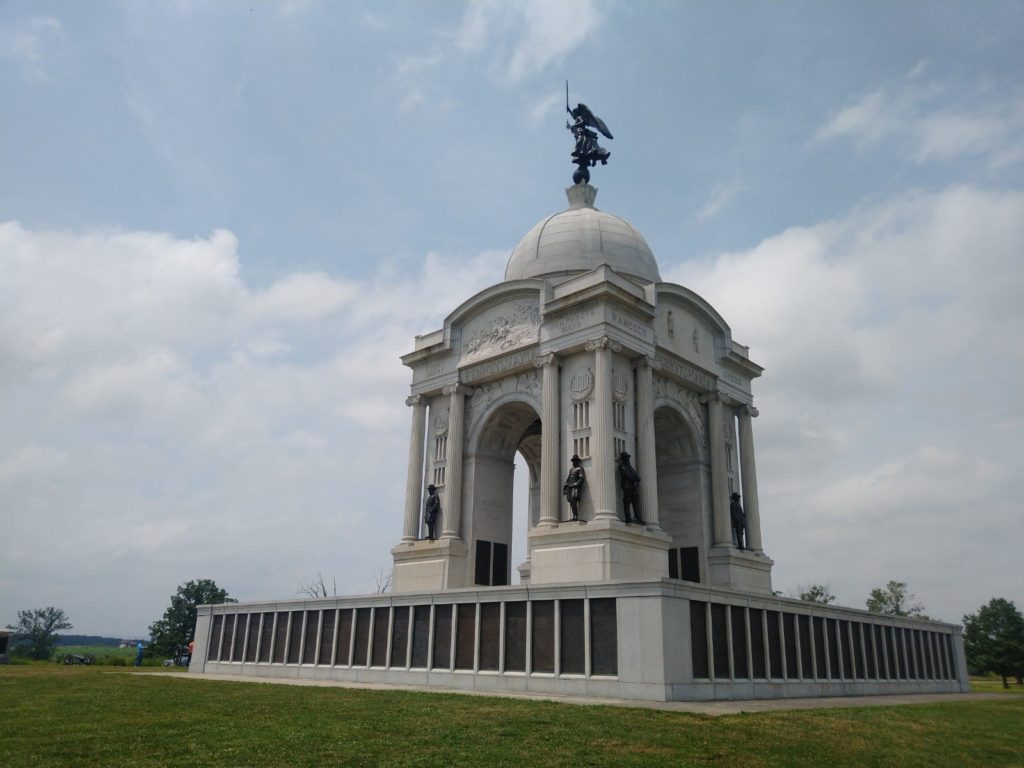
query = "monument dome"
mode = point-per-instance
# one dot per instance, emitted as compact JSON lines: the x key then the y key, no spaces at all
{"x":579,"y":239}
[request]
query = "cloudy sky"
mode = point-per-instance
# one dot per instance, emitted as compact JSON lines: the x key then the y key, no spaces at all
{"x":222,"y":222}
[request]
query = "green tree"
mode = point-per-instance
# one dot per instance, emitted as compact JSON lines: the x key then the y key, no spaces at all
{"x":894,"y":600}
{"x":36,"y":631}
{"x":994,"y":639}
{"x":171,"y":635}
{"x":816,"y":593}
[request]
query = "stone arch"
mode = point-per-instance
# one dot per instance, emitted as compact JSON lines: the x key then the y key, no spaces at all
{"x":682,"y":488}
{"x":509,"y":425}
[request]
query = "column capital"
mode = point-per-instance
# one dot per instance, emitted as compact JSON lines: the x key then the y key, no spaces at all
{"x":710,"y":397}
{"x":750,"y":411}
{"x":603,"y":343}
{"x":647,"y":361}
{"x":457,"y":388}
{"x":415,"y":400}
{"x":541,"y":360}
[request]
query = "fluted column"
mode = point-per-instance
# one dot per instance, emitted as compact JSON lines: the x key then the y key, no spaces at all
{"x":414,"y":476}
{"x":452,"y":510}
{"x":601,"y":450}
{"x":719,"y":483}
{"x":647,"y":460}
{"x":749,"y":478}
{"x":550,"y":459}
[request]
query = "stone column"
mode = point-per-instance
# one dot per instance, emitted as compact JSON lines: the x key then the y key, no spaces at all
{"x":722,"y":536}
{"x":647,"y":460}
{"x":748,"y":475}
{"x":550,"y":458}
{"x":452,"y":509}
{"x":413,"y":486}
{"x":602,"y":486}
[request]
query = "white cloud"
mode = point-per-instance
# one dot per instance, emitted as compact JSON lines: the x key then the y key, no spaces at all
{"x":889,"y":435}
{"x":32,"y":43}
{"x":722,"y":195}
{"x":156,"y":408}
{"x":935,"y":121}
{"x":517,"y":41}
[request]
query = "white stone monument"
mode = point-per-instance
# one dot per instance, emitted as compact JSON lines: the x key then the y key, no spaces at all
{"x":582,"y":350}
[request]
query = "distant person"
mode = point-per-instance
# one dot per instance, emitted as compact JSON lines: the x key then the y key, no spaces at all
{"x":139,"y":648}
{"x":191,"y":647}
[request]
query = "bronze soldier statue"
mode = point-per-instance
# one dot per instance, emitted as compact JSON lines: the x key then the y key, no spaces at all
{"x":573,"y":486}
{"x":629,"y":481}
{"x":431,"y":510}
{"x":739,"y":521}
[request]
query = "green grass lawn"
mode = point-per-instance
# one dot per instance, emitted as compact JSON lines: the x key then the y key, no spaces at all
{"x":96,"y":716}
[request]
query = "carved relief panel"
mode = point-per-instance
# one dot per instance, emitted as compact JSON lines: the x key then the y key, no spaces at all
{"x":500,"y":329}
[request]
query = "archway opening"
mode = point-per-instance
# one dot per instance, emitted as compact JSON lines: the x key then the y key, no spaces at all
{"x":504,"y":503}
{"x":680,"y":493}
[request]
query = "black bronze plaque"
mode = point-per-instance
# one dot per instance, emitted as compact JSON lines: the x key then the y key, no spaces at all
{"x":381,"y":615}
{"x":482,"y":575}
{"x":213,"y":652}
{"x":343,"y":646}
{"x":805,"y":647}
{"x":420,"y":636}
{"x":327,"y":637}
{"x":400,"y":636}
{"x":465,"y":635}
{"x":515,"y":637}
{"x":361,"y":652}
{"x":859,"y":670}
{"x":295,"y":638}
{"x":225,"y":641}
{"x":573,"y":652}
{"x":790,"y":639}
{"x":690,"y":564}
{"x":720,"y":641}
{"x":490,"y":635}
{"x":774,"y":645}
{"x":673,"y":563}
{"x":698,"y":638}
{"x":739,"y":642}
{"x":820,"y":647}
{"x":280,"y":637}
{"x":266,"y":638}
{"x":604,"y":637}
{"x":834,"y":667}
{"x":241,"y":630}
{"x":543,"y":640}
{"x":253,"y":638}
{"x":310,"y":643}
{"x":757,"y":665}
{"x":442,"y":637}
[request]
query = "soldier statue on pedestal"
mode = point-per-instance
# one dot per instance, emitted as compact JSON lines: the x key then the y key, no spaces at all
{"x":431,"y":510}
{"x":629,"y":481}
{"x":573,"y":487}
{"x":739,"y":521}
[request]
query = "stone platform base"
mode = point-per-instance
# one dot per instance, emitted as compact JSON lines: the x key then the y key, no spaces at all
{"x":662,"y":640}
{"x":597,"y":551}
{"x":740,"y":569}
{"x":429,"y":565}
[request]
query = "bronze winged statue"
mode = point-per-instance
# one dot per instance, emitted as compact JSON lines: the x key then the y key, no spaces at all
{"x":587,"y":152}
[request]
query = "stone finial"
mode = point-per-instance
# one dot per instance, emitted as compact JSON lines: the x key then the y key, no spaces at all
{"x":581,"y":196}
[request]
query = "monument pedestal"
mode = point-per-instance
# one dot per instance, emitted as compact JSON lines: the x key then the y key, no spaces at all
{"x":740,"y":569}
{"x":428,"y":565}
{"x":596,"y":551}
